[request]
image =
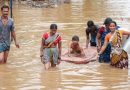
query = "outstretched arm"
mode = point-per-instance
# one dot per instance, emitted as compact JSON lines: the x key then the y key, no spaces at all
{"x":103,"y":47}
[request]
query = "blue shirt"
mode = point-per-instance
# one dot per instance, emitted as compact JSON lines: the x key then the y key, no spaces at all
{"x":5,"y":31}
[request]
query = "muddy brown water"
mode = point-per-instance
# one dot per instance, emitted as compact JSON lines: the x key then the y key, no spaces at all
{"x":24,"y":71}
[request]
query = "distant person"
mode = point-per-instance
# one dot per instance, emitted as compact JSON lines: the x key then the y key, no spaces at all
{"x":50,"y":50}
{"x":6,"y":29}
{"x":119,"y":57}
{"x":91,"y":32}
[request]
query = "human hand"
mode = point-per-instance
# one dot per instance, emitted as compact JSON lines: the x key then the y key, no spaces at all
{"x":17,"y":45}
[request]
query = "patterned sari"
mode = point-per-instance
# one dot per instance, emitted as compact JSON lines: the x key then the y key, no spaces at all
{"x":119,"y":57}
{"x":50,"y":54}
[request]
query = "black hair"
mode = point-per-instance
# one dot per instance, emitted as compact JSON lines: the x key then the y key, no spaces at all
{"x":90,"y":23}
{"x":92,"y":28}
{"x":4,"y":6}
{"x":113,"y":22}
{"x":107,"y":21}
{"x":75,"y":38}
{"x":53,"y":26}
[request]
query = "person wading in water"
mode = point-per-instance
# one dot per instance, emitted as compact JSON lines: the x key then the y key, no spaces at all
{"x":6,"y":29}
{"x":50,"y":50}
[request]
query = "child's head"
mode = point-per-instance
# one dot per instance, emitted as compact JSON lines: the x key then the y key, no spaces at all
{"x":75,"y":38}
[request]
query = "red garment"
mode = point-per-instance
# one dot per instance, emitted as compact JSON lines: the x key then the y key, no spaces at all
{"x":57,"y":40}
{"x":101,"y":30}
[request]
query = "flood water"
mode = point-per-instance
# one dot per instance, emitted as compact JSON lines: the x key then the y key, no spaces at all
{"x":24,"y":70}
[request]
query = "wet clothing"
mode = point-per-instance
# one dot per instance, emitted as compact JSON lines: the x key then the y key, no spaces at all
{"x":4,"y":47}
{"x":93,"y":32}
{"x":5,"y":31}
{"x":119,"y":57}
{"x":105,"y":56}
{"x":50,"y":54}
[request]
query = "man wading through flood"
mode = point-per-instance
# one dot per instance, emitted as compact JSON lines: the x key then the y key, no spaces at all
{"x":6,"y":28}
